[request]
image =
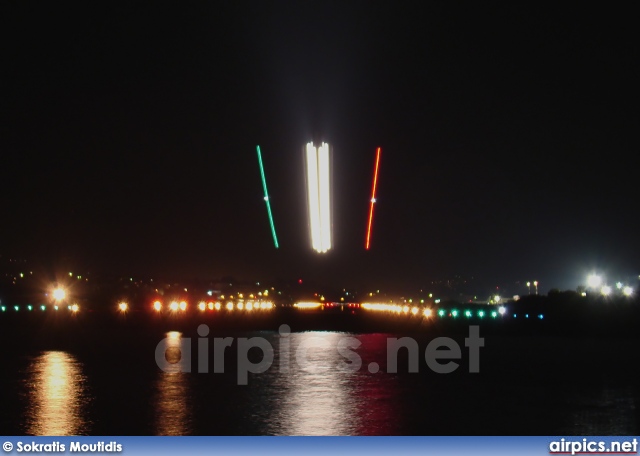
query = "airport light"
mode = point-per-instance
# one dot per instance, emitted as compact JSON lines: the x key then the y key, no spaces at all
{"x":319,"y":196}
{"x":619,"y":285}
{"x":59,"y":294}
{"x":502,"y":310}
{"x":627,"y":291}
{"x":535,"y":284}
{"x":75,"y":308}
{"x":183,"y":306}
{"x":157,"y":306}
{"x":174,"y":306}
{"x":123,"y":307}
{"x":594,"y":281}
{"x":202,"y":306}
{"x":606,"y":290}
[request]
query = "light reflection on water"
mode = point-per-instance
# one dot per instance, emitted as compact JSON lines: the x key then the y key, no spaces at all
{"x":316,"y":398}
{"x":56,"y":389}
{"x":172,"y":390}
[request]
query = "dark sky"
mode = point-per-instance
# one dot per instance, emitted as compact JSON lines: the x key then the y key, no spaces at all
{"x":509,"y":136}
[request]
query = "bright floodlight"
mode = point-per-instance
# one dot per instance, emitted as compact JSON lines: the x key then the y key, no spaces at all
{"x":59,"y":294}
{"x":75,"y":308}
{"x":606,"y":290}
{"x":319,"y":196}
{"x":502,"y":310}
{"x":594,"y":281}
{"x":157,"y":305}
{"x":123,"y":306}
{"x":627,"y":291}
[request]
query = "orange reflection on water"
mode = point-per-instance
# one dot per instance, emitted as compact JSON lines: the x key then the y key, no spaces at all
{"x":172,"y":408}
{"x":57,"y":394}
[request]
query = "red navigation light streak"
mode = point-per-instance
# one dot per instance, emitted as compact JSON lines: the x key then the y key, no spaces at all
{"x":373,"y":199}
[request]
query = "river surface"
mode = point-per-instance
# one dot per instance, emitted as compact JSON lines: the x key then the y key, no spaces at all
{"x":112,"y":384}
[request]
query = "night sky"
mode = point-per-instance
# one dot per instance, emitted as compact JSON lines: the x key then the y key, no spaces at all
{"x":509,"y":139}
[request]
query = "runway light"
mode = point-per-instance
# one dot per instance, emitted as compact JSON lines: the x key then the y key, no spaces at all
{"x":619,"y":285}
{"x":468,"y":313}
{"x":454,"y":313}
{"x":43,"y":308}
{"x":218,"y":306}
{"x":494,"y":314}
{"x":502,"y":310}
{"x":627,"y":291}
{"x":210,"y":306}
{"x":202,"y":306}
{"x":55,"y":307}
{"x":174,"y":306}
{"x":3,"y":308}
{"x":414,"y":310}
{"x":307,"y":305}
{"x":240,"y":306}
{"x":183,"y":306}
{"x":606,"y":290}
{"x":427,"y":312}
{"x":59,"y":294}
{"x":29,"y":308}
{"x":123,"y":307}
{"x":481,"y":313}
{"x":229,"y":305}
{"x":157,"y":305}
{"x":16,"y":308}
{"x":594,"y":281}
{"x":441,"y":313}
{"x":75,"y":308}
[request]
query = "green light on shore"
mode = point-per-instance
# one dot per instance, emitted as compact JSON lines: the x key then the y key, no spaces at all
{"x":43,"y":308}
{"x":266,"y":197}
{"x":29,"y":307}
{"x":3,"y":308}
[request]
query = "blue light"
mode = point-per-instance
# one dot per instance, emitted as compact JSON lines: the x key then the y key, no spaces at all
{"x":526,"y":316}
{"x":540,"y":316}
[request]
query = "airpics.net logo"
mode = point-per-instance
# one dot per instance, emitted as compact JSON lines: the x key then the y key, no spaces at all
{"x":588,"y":446}
{"x":442,"y":354}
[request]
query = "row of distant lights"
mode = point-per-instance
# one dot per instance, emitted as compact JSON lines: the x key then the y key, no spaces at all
{"x":594,"y":281}
{"x":73,"y":308}
{"x":181,"y":306}
{"x":427,"y":312}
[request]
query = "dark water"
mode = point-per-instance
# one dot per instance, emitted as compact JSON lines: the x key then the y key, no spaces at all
{"x":109,"y":384}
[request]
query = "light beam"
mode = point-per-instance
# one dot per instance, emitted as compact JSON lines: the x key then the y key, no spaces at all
{"x":319,"y":196}
{"x":373,"y":199}
{"x":266,"y":198}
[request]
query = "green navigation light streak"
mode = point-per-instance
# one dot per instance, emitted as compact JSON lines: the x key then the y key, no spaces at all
{"x":266,"y":198}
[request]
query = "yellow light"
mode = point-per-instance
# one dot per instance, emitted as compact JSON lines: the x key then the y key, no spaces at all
{"x":75,"y":308}
{"x":123,"y":306}
{"x":405,"y":309}
{"x":250,"y":305}
{"x":307,"y":305}
{"x":240,"y":306}
{"x":174,"y":306}
{"x":229,"y":305}
{"x":414,"y":311}
{"x":157,"y":306}
{"x":202,"y":306}
{"x":59,"y":294}
{"x":427,"y":312}
{"x":210,"y":306}
{"x":183,"y":305}
{"x":218,"y":305}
